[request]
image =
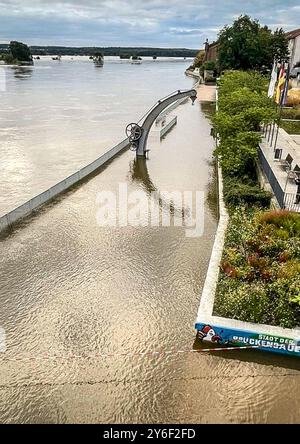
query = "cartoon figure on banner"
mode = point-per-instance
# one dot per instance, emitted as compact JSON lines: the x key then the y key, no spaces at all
{"x":209,"y":334}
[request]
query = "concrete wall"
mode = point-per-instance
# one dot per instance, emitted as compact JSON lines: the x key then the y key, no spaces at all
{"x":192,"y":73}
{"x":168,"y":127}
{"x":26,"y":209}
{"x":175,"y":105}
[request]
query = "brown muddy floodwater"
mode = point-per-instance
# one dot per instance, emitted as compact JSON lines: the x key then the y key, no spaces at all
{"x":72,"y":289}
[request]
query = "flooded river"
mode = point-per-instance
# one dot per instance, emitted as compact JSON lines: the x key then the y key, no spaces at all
{"x":81,"y":303}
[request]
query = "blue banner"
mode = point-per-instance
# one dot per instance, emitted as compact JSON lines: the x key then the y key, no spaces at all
{"x":234,"y":337}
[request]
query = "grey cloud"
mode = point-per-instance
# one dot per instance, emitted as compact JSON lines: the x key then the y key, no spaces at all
{"x":132,"y":22}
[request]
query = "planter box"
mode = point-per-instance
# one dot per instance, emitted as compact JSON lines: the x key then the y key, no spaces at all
{"x":231,"y":332}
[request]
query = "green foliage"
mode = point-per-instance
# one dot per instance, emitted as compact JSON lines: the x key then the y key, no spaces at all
{"x":280,"y":45}
{"x":238,"y":193}
{"x":20,"y":51}
{"x":233,"y":80}
{"x":248,"y":45}
{"x":244,"y":98}
{"x":282,"y":220}
{"x":291,"y":113}
{"x":9,"y":60}
{"x":290,"y":127}
{"x":260,"y":269}
{"x":209,"y":65}
{"x":198,"y":59}
{"x":109,"y":51}
{"x":243,"y":107}
{"x":210,"y":80}
{"x":238,"y":154}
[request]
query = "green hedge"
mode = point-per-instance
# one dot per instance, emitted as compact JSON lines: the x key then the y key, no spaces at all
{"x":260,"y":269}
{"x":242,"y":193}
{"x":243,"y":107}
{"x":209,"y":65}
{"x":290,"y":127}
{"x":291,"y":113}
{"x":211,"y":80}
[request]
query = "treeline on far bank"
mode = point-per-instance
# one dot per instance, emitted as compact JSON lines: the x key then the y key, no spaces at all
{"x":109,"y":51}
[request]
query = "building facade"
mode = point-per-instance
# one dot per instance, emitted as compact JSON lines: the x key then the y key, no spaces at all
{"x":294,"y":46}
{"x":211,"y":51}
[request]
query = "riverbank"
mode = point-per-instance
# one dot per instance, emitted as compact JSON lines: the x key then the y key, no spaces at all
{"x":255,"y":289}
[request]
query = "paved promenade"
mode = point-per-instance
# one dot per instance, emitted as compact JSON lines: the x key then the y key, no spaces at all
{"x":281,"y":176}
{"x":288,"y":146}
{"x":206,"y":93}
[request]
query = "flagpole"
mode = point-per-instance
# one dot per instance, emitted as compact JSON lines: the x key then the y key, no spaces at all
{"x":273,"y":129}
{"x":278,"y":121}
{"x":282,"y":101}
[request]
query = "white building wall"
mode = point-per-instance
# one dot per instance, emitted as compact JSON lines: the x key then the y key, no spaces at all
{"x":295,"y":50}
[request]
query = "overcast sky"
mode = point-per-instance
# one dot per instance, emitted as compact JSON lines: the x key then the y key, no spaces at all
{"x":164,"y":23}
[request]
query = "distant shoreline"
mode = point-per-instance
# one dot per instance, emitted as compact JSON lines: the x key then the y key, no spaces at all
{"x":109,"y":51}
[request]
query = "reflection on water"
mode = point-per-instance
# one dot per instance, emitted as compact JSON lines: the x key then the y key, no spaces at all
{"x":139,"y":173}
{"x":22,"y":72}
{"x":208,"y":108}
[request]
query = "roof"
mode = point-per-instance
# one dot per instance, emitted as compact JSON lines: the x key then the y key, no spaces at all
{"x":293,"y":34}
{"x":216,"y":43}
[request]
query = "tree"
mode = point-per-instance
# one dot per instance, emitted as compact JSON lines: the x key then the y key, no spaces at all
{"x":280,"y":45}
{"x":20,"y":51}
{"x":248,"y":45}
{"x":199,"y":59}
{"x":99,"y":55}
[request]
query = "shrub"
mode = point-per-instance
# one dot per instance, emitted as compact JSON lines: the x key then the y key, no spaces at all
{"x":238,"y":193}
{"x":9,"y":59}
{"x":242,"y":99}
{"x":260,"y":268}
{"x":198,"y":59}
{"x":209,"y":79}
{"x":238,"y":154}
{"x":233,"y":80}
{"x":283,"y":219}
{"x":291,"y":113}
{"x":290,"y":127}
{"x":243,"y":107}
{"x":244,"y":302}
{"x":209,"y":65}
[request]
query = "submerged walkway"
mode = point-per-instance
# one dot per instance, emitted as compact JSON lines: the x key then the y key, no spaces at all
{"x":206,"y":93}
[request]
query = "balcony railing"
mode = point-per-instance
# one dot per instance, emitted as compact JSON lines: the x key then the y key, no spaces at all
{"x":285,"y":200}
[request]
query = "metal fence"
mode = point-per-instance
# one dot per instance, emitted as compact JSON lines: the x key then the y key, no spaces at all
{"x":168,"y":127}
{"x":292,"y":202}
{"x":289,"y":201}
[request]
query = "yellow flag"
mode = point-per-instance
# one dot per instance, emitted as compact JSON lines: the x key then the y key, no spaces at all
{"x":279,"y":88}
